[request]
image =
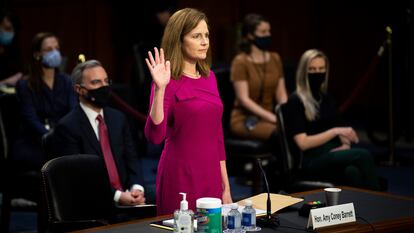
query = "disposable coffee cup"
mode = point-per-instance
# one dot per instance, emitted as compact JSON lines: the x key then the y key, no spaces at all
{"x":332,"y":196}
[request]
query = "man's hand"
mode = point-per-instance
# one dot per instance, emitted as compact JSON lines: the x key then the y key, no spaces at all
{"x":135,"y":197}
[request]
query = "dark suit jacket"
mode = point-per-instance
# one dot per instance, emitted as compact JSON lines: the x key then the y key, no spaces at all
{"x":74,"y":135}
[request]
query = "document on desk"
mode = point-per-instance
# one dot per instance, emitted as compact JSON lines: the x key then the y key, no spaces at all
{"x":135,"y":206}
{"x":278,"y":201}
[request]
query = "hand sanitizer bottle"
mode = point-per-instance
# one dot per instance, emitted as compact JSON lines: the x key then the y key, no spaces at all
{"x":184,"y":218}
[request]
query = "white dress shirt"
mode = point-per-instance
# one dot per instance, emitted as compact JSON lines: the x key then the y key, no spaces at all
{"x":91,"y":114}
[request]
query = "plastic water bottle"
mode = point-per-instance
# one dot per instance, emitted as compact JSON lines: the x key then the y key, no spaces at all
{"x":234,"y":219}
{"x":248,"y":216}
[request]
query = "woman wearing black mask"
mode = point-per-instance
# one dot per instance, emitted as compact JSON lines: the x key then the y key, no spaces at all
{"x":258,"y":81}
{"x":44,"y":96}
{"x":313,"y":123}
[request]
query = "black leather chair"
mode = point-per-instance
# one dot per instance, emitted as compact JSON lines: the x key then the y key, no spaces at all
{"x":294,"y":180}
{"x":77,"y":194}
{"x":240,"y":151}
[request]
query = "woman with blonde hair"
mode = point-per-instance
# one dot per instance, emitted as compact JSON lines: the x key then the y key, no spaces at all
{"x":185,"y":113}
{"x":314,"y":125}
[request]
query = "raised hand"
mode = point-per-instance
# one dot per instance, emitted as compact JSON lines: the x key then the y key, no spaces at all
{"x":159,"y":68}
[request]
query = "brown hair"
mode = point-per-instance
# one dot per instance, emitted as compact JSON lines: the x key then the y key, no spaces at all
{"x":181,"y":23}
{"x":249,"y":26}
{"x":35,"y":69}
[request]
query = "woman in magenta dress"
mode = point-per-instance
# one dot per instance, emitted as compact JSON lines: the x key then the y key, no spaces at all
{"x":186,"y":111}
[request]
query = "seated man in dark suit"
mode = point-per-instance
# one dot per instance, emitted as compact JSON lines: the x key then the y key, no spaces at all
{"x":93,"y":128}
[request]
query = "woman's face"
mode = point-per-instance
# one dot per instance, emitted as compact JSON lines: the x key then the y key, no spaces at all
{"x":49,"y":44}
{"x":262,"y":29}
{"x":6,"y":25}
{"x":196,"y":43}
{"x":317,"y":65}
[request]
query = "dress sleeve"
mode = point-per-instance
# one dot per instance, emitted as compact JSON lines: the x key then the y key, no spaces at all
{"x":28,"y":108}
{"x":221,"y":148}
{"x":294,"y":116}
{"x":238,"y":69}
{"x":156,"y":133}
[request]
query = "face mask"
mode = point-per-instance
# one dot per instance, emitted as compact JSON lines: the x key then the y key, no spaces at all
{"x":6,"y":37}
{"x":52,"y":59}
{"x":315,"y":82}
{"x":262,"y":42}
{"x":99,"y":97}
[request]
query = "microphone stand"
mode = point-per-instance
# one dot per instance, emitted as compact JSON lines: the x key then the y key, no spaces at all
{"x":269,"y":221}
{"x":391,"y":160}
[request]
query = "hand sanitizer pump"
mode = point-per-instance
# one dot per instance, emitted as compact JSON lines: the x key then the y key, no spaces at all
{"x":184,"y":218}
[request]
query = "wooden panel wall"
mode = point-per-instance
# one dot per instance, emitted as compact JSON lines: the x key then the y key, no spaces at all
{"x":350,"y":32}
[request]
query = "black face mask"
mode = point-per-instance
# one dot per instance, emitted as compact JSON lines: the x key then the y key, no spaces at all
{"x":315,"y":82}
{"x":99,"y":97}
{"x":263,"y":42}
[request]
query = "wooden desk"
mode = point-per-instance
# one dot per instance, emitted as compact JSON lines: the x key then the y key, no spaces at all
{"x":383,"y":211}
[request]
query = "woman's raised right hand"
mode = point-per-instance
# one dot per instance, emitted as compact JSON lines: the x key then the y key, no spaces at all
{"x":159,"y":68}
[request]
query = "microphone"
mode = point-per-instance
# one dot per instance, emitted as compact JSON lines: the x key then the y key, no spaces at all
{"x":269,"y":221}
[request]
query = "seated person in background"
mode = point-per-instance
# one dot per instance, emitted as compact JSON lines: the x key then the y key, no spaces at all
{"x":257,"y":76}
{"x":93,"y":128}
{"x":312,"y":122}
{"x":44,"y":97}
{"x":10,"y":60}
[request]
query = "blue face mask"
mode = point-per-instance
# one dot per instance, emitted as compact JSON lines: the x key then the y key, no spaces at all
{"x":52,"y":59}
{"x":6,"y":37}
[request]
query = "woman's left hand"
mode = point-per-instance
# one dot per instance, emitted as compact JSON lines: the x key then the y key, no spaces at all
{"x":226,"y":197}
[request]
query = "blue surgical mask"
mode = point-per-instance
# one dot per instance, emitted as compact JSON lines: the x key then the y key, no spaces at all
{"x":52,"y":59}
{"x":6,"y":37}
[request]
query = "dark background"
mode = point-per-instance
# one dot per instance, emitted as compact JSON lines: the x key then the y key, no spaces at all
{"x":350,"y":32}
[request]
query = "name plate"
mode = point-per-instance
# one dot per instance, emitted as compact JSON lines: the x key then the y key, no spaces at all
{"x":332,"y":215}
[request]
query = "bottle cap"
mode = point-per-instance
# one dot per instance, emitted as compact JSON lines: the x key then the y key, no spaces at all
{"x":234,"y":206}
{"x":184,"y":202}
{"x":248,"y":202}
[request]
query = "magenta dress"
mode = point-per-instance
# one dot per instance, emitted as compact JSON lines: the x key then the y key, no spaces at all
{"x":194,"y":147}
